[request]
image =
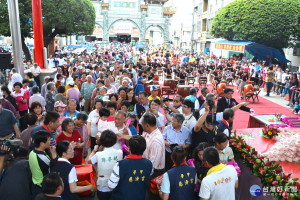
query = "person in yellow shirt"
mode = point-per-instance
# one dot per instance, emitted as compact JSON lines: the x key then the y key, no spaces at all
{"x":192,"y":59}
{"x":154,"y":92}
{"x":68,"y":87}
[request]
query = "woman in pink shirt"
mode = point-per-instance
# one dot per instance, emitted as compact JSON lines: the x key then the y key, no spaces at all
{"x":21,"y":98}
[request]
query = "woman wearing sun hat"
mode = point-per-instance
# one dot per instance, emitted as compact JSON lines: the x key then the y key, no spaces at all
{"x":60,"y":107}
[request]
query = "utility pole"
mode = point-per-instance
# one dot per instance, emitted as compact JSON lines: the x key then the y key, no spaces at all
{"x":15,"y":31}
{"x":193,"y":25}
{"x":181,"y":33}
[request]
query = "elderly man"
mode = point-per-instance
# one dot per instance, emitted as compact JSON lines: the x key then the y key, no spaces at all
{"x":86,"y":92}
{"x":119,"y":128}
{"x":36,"y":97}
{"x":110,"y":88}
{"x":175,"y":135}
{"x":8,"y":123}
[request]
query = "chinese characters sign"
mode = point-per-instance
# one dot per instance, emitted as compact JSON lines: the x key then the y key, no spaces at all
{"x":137,"y":175}
{"x":231,"y":47}
{"x":124,"y":5}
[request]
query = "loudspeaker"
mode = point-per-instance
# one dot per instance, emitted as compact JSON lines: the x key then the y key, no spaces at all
{"x":5,"y":62}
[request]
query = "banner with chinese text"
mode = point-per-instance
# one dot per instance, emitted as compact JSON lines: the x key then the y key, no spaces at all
{"x":231,"y":47}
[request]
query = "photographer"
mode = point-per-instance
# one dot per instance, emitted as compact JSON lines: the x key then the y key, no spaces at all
{"x":17,"y":176}
{"x":8,"y":123}
{"x":171,"y":108}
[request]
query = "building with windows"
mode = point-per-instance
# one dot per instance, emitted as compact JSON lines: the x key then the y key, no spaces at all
{"x":128,"y":20}
{"x":205,"y":11}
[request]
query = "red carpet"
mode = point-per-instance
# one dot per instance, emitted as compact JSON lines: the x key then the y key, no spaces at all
{"x":264,"y":106}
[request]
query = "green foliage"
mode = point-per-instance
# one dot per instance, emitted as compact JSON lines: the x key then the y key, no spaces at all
{"x":65,"y":17}
{"x":25,"y":14}
{"x":273,"y":23}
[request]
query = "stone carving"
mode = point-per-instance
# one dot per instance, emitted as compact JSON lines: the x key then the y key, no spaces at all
{"x":139,"y":19}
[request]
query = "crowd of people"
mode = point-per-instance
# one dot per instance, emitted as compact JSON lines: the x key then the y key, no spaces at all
{"x":96,"y":109}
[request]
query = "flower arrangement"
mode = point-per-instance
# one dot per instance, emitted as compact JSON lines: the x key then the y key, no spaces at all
{"x":270,"y":131}
{"x":271,"y":174}
{"x":291,"y":121}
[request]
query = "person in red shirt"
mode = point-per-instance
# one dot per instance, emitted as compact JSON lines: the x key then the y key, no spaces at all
{"x":21,"y":98}
{"x":70,"y":134}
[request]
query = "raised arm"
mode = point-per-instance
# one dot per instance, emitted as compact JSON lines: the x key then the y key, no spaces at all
{"x":235,"y":108}
{"x":201,"y":120}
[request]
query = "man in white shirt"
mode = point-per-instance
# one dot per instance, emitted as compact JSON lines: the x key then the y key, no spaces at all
{"x":118,"y":127}
{"x":51,"y":63}
{"x":36,"y":70}
{"x":36,"y":97}
{"x":221,"y":180}
{"x":190,"y":120}
{"x":16,"y":77}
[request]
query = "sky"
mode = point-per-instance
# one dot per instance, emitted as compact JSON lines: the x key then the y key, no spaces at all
{"x":183,"y":13}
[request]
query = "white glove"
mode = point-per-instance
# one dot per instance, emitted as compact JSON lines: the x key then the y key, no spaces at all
{"x":252,"y":111}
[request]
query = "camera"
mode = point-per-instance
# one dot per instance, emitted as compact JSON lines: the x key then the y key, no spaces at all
{"x":12,"y":144}
{"x":165,"y":99}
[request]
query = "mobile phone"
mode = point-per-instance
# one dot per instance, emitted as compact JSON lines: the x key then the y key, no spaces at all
{"x":128,"y":122}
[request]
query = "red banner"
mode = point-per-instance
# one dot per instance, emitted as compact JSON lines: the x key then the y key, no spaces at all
{"x":231,"y":47}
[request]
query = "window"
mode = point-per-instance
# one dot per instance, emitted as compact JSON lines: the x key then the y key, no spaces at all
{"x":205,"y":5}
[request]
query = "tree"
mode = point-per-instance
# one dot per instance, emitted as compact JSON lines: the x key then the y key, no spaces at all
{"x":63,"y":18}
{"x":273,"y":23}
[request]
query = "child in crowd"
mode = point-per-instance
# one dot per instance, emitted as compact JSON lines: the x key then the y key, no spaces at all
{"x":125,"y":106}
{"x":60,"y":108}
{"x":131,"y":127}
{"x":197,"y":162}
{"x":102,"y":122}
{"x":154,"y":92}
{"x":296,"y":108}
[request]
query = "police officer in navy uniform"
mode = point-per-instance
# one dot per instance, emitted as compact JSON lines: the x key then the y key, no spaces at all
{"x":178,"y":182}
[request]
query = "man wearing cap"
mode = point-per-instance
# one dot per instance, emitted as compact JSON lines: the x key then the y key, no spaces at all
{"x":8,"y":123}
{"x":86,"y":92}
{"x":154,"y":92}
{"x":68,"y":85}
{"x":36,"y":70}
{"x":79,"y":71}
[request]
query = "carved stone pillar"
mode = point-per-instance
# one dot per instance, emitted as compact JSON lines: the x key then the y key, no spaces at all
{"x":105,"y":27}
{"x":143,"y":26}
